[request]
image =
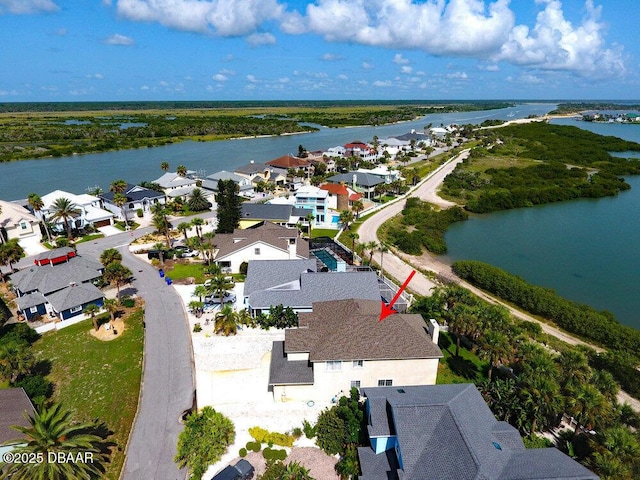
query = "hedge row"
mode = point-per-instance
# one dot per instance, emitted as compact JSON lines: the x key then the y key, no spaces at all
{"x":582,"y":320}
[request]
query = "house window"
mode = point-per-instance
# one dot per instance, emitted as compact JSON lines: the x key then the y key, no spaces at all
{"x":385,"y":383}
{"x":334,"y":366}
{"x":75,"y":309}
{"x":131,"y":205}
{"x":256,"y":251}
{"x":357,"y":363}
{"x":33,"y":310}
{"x":355,"y":383}
{"x":23,"y":225}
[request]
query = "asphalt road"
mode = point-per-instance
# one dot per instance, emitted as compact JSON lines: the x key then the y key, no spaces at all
{"x":167,"y":389}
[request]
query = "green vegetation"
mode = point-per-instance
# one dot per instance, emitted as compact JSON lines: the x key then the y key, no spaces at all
{"x":464,"y":368}
{"x":53,"y":433}
{"x":536,"y":163}
{"x":568,"y":108}
{"x":97,"y":379}
{"x":264,"y":436}
{"x":323,"y":232}
{"x":180,"y":271}
{"x":229,"y":206}
{"x":582,"y":320}
{"x":5,"y":313}
{"x":530,"y":385}
{"x":421,"y":226}
{"x":204,"y":440}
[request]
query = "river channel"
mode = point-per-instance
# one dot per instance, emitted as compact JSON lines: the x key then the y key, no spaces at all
{"x":586,"y":250}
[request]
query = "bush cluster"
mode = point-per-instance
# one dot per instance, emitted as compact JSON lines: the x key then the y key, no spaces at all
{"x":272,"y":438}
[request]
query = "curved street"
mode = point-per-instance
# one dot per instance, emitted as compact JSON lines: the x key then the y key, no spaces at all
{"x":167,"y":388}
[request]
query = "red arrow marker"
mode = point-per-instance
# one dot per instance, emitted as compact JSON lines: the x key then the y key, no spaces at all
{"x":387,"y":309}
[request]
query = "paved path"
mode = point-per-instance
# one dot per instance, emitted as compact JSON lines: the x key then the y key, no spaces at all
{"x":167,"y":388}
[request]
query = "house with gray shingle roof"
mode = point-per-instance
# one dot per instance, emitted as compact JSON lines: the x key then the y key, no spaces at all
{"x":299,"y":286}
{"x":281,"y":214}
{"x":14,"y":404}
{"x":447,"y":432}
{"x":342,"y":344}
{"x":361,"y":182}
{"x":45,"y":288}
{"x":137,"y":198}
{"x":264,"y":241}
{"x":210,"y":182}
{"x":175,"y":185}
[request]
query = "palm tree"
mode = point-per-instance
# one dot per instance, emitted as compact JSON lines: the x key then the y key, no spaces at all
{"x":181,"y":170}
{"x":111,"y":306}
{"x":164,"y":166}
{"x":495,"y":347}
{"x":245,"y":318}
{"x":357,"y":207}
{"x":163,"y":227}
{"x":353,"y":236}
{"x":372,"y":247}
{"x":183,"y":227}
{"x":200,"y":291}
{"x":10,"y":252}
{"x":574,"y":368}
{"x":197,"y":201}
{"x":197,"y":222}
{"x":207,"y":247}
{"x":219,"y":285}
{"x":92,"y":309}
{"x":295,"y":471}
{"x":117,"y":274}
{"x":310,"y":217}
{"x":52,"y":431}
{"x":346,"y":217}
{"x":16,"y":360}
{"x":541,"y":400}
{"x":382,"y":248}
{"x":588,"y":406}
{"x":226,"y":321}
{"x":120,"y":200}
{"x":64,"y":209}
{"x":36,"y":203}
{"x":109,"y":256}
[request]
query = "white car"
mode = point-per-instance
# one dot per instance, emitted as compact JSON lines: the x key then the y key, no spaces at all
{"x":228,"y":297}
{"x":186,"y":251}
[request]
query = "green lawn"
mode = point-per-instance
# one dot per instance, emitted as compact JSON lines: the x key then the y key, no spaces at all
{"x":467,"y":368}
{"x":186,"y":270}
{"x":97,"y":379}
{"x":323,"y":232}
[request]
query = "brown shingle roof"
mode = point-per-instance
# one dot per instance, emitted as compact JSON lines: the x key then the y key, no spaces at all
{"x":288,"y":161}
{"x":351,"y":330}
{"x":267,"y":232}
{"x":14,"y":402}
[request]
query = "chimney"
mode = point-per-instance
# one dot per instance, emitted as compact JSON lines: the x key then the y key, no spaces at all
{"x":292,"y":248}
{"x":434,"y":330}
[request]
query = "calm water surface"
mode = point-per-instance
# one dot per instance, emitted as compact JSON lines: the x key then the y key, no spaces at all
{"x":76,"y":173}
{"x":586,"y":250}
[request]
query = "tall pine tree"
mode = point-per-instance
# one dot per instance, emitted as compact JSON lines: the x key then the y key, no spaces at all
{"x":229,"y":206}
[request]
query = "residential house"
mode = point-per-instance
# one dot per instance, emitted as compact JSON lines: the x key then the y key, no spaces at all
{"x":264,"y":241}
{"x":338,"y":196}
{"x":361,"y":150}
{"x":289,"y":161}
{"x":210,"y":182}
{"x":18,"y":222}
{"x":14,"y":405}
{"x":138,"y":198}
{"x":90,"y":211}
{"x":58,"y":284}
{"x":447,"y":432}
{"x":364,"y":183}
{"x":175,"y":185}
{"x":287,"y":215}
{"x":383,"y":172}
{"x":298,"y":285}
{"x":343,"y":344}
{"x":257,"y":172}
{"x":316,"y":200}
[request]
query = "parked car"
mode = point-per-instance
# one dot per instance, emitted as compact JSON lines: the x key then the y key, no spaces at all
{"x":228,"y":297}
{"x":242,"y":470}
{"x":185,"y":251}
{"x":156,"y":254}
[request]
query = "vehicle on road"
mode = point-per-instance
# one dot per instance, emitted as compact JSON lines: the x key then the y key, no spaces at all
{"x":227,"y":297}
{"x":242,"y":470}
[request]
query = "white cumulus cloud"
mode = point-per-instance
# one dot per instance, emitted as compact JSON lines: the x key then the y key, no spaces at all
{"x":219,"y":77}
{"x":118,"y":39}
{"x":25,"y":7}
{"x":222,"y":17}
{"x":457,"y":76}
{"x":398,"y":59}
{"x":406,"y":70}
{"x":259,"y":39}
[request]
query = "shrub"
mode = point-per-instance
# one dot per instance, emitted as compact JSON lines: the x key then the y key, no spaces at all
{"x":274,"y":471}
{"x":197,"y":328}
{"x":308,"y":429}
{"x":242,"y":452}
{"x":296,"y":432}
{"x":139,"y":213}
{"x":254,"y":446}
{"x":272,"y":438}
{"x":243,"y":268}
{"x":128,"y":302}
{"x":204,"y":440}
{"x":36,"y":386}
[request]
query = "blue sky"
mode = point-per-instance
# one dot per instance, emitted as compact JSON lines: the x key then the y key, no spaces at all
{"x":101,"y":50}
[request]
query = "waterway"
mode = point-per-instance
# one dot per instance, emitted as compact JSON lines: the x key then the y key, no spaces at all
{"x":78,"y":172}
{"x":586,"y":250}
